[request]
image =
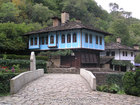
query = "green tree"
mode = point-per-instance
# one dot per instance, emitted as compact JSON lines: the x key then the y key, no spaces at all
{"x":137,"y":59}
{"x":8,"y":12}
{"x":41,"y":13}
{"x":131,"y":82}
{"x":120,"y":29}
{"x":134,"y":31}
{"x":11,"y":35}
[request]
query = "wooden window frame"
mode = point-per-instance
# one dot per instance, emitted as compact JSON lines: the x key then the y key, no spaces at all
{"x":74,"y":37}
{"x":42,"y":40}
{"x":100,"y":40}
{"x":39,"y":40}
{"x":113,"y":53}
{"x":52,"y":39}
{"x":107,"y":53}
{"x":96,"y":39}
{"x":132,"y":54}
{"x":86,"y":38}
{"x":123,"y":53}
{"x":126,"y":53}
{"x":68,"y":38}
{"x":35,"y":40}
{"x":47,"y":39}
{"x":32,"y":41}
{"x":63,"y":38}
{"x":90,"y":37}
{"x":56,"y":38}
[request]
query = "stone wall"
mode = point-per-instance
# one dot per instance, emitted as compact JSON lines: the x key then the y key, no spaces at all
{"x":56,"y":61}
{"x":99,"y":69}
{"x":64,"y":70}
{"x":20,"y":80}
{"x":102,"y":76}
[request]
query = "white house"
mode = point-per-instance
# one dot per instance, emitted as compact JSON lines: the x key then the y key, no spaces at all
{"x":123,"y":55}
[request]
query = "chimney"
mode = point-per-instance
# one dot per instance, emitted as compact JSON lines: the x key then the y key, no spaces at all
{"x":64,"y":17}
{"x":56,"y":21}
{"x":118,"y":40}
{"x":136,"y":47}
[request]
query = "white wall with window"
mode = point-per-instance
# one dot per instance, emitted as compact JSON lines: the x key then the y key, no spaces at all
{"x":120,"y":54}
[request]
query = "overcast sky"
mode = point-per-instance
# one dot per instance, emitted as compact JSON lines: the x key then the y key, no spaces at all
{"x":128,"y":5}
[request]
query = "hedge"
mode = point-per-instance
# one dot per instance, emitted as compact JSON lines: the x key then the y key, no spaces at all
{"x":24,"y":64}
{"x":131,"y":81}
{"x":5,"y":82}
{"x":122,"y":63}
{"x":24,"y":57}
{"x":115,"y":79}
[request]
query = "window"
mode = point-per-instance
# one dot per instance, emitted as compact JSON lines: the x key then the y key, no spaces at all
{"x":96,"y":39}
{"x":52,"y":39}
{"x":100,"y":40}
{"x":68,"y":38}
{"x":46,"y":39}
{"x":88,"y":58}
{"x":90,"y":38}
{"x":113,"y":53}
{"x":63,"y":38}
{"x":126,"y":53}
{"x":56,"y":38}
{"x":131,"y":54}
{"x":39,"y":40}
{"x":107,"y":53}
{"x":74,"y":37}
{"x":123,"y":53}
{"x":86,"y":38}
{"x":42,"y":40}
{"x":35,"y":40}
{"x":31,"y":41}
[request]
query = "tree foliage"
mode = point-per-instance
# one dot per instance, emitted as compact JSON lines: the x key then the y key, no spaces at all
{"x":8,"y":12}
{"x":131,"y":83}
{"x":11,"y":35}
{"x":120,"y":29}
{"x":57,"y":53}
{"x":41,"y":13}
{"x":34,"y":14}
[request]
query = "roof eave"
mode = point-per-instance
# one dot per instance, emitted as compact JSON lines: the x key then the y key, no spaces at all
{"x":121,"y":49}
{"x":105,"y":33}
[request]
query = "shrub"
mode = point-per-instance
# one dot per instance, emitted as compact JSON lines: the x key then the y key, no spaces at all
{"x":113,"y":88}
{"x":5,"y":81}
{"x":131,"y":81}
{"x":24,"y":64}
{"x":115,"y":79}
{"x":25,"y":57}
{"x":103,"y":88}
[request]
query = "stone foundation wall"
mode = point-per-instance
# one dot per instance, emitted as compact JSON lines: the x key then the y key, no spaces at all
{"x":99,"y":70}
{"x":102,"y":76}
{"x":63,"y":70}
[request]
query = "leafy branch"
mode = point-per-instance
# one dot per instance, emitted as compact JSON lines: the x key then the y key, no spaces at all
{"x":57,"y":53}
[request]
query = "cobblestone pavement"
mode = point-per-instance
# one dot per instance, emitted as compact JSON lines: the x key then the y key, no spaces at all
{"x":64,"y":89}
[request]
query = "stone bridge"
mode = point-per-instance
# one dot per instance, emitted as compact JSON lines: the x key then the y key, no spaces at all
{"x":64,"y":89}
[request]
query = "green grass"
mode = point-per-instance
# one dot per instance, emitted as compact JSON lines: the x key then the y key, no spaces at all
{"x":4,"y":94}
